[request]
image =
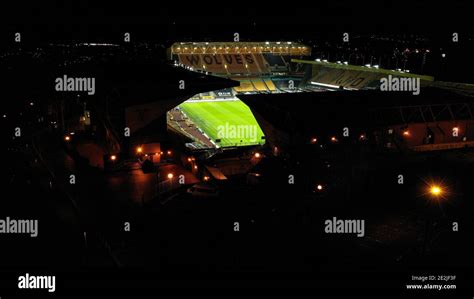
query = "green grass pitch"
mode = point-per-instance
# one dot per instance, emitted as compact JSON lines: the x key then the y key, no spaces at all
{"x":232,"y":121}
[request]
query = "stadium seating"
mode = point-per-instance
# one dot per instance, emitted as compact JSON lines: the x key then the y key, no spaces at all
{"x":245,"y":86}
{"x":270,"y":85}
{"x":274,"y":60}
{"x":259,"y":85}
{"x":251,"y":63}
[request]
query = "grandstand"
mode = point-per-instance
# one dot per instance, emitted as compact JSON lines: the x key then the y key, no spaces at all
{"x":238,"y":58}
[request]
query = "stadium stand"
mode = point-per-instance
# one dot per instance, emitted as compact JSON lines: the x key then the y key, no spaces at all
{"x":245,"y":86}
{"x":270,"y":85}
{"x":274,"y":60}
{"x":226,"y":63}
{"x":259,"y":85}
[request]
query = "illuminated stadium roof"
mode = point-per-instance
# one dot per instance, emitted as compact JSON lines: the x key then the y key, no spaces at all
{"x":285,"y":48}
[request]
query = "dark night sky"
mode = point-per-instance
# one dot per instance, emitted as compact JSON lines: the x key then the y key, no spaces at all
{"x":218,"y":19}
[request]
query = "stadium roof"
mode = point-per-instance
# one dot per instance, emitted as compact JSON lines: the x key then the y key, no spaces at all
{"x":280,"y":47}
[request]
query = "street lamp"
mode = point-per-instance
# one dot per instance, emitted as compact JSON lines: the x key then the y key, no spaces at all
{"x":436,"y":191}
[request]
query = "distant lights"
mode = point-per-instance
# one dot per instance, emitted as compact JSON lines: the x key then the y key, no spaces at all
{"x":113,"y":157}
{"x":406,"y":133}
{"x":257,"y":155}
{"x":139,"y":150}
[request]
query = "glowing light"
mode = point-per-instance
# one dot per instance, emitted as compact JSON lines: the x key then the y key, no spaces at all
{"x":257,"y":155}
{"x":436,"y":190}
{"x":333,"y":139}
{"x":206,"y":178}
{"x":314,"y":140}
{"x":67,"y":138}
{"x":170,"y":175}
{"x":319,"y":187}
{"x":168,"y":152}
{"x":406,"y":133}
{"x":113,"y":157}
{"x":139,"y":149}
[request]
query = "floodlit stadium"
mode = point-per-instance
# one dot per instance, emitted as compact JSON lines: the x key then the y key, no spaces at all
{"x":219,"y":119}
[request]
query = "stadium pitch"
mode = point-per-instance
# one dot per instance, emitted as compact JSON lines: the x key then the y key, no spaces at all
{"x":227,"y":123}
